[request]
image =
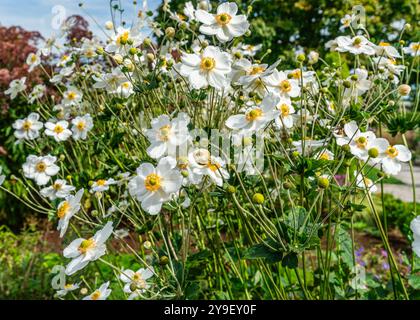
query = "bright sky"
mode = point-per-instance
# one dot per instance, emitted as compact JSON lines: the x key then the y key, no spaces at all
{"x":42,"y":15}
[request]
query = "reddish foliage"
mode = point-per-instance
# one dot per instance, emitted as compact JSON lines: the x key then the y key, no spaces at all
{"x":79,"y":29}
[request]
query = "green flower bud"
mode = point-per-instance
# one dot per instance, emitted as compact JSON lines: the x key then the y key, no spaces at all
{"x":163,"y":260}
{"x":287,"y":185}
{"x":258,"y":198}
{"x":300,"y":57}
{"x":133,"y":51}
{"x":170,"y":32}
{"x":346,"y":84}
{"x":345,"y":148}
{"x":323,"y":182}
{"x":230,"y":189}
{"x":147,"y":42}
{"x":133,"y":286}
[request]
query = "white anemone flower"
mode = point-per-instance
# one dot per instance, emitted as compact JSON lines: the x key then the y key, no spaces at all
{"x":67,"y":209}
{"x":360,"y":83}
{"x":211,"y":67}
{"x":37,"y":93}
{"x":325,"y":154}
{"x":81,"y":126}
{"x":40,"y":169}
{"x":356,"y":45}
{"x":59,"y":189}
{"x":82,"y":251}
{"x":166,"y":134}
{"x":124,"y":40}
{"x":413,"y":49}
{"x":135,"y":282}
{"x":225,"y":24}
{"x":257,"y":117}
{"x":102,"y":185}
{"x":72,"y":97}
{"x":387,"y":50}
{"x":59,"y":131}
{"x":204,"y":164}
{"x":33,"y":60}
{"x":285,"y":119}
{"x":392,"y":156}
{"x":279,"y":83}
{"x":359,"y":142}
{"x":15,"y":87}
{"x":28,"y":128}
{"x":415,"y":227}
{"x":100,"y":294}
{"x":153,"y":186}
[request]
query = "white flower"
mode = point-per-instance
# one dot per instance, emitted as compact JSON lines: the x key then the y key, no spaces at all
{"x":102,"y":185}
{"x":124,"y":40}
{"x":40,"y":169}
{"x":126,"y":89}
{"x":67,"y":288}
{"x":58,"y":130}
{"x":392,"y":156}
{"x":204,"y":164}
{"x":413,"y":49}
{"x":153,"y":186}
{"x":360,"y":83}
{"x":28,"y":128}
{"x":324,"y":154}
{"x":82,"y":251}
{"x":250,"y":50}
{"x":165,"y":135}
{"x":280,"y":84}
{"x":256,"y":118}
{"x":385,"y":49}
{"x":208,"y":68}
{"x":81,"y":126}
{"x":110,"y":81}
{"x":359,"y":142}
{"x":33,"y":60}
{"x":285,"y":119}
{"x":307,"y":145}
{"x":67,"y":209}
{"x":346,"y":21}
{"x":415,"y":227}
{"x":355,"y":45}
{"x":72,"y":97}
{"x":225,"y":25}
{"x":16,"y":86}
{"x":364,"y":182}
{"x":189,"y":10}
{"x":59,"y":189}
{"x":135,"y":282}
{"x":100,"y":294}
{"x":37,"y":92}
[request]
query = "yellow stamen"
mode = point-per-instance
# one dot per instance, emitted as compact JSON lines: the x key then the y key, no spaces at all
{"x":285,"y":86}
{"x":152,"y":182}
{"x":207,"y":64}
{"x":86,"y":245}
{"x":254,"y":114}
{"x":63,"y":209}
{"x":40,"y":167}
{"x":223,"y":19}
{"x":392,"y":152}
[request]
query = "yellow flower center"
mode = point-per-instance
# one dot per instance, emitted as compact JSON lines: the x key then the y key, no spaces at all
{"x":68,"y":286}
{"x":86,"y":245}
{"x":27,"y":125}
{"x":324,"y":156}
{"x":71,"y":95}
{"x":81,"y":125}
{"x":126,"y":85}
{"x":40,"y":167}
{"x":392,"y":152}
{"x":164,"y":132}
{"x":254,"y":114}
{"x":384,"y":44}
{"x":96,"y":295}
{"x":100,"y":182}
{"x":296,"y":74}
{"x":256,"y":70}
{"x":223,"y":19}
{"x":63,"y":209}
{"x":122,"y":39}
{"x":284,"y":109}
{"x":33,"y":58}
{"x":415,"y":46}
{"x":58,"y":129}
{"x":57,"y":186}
{"x":207,"y":64}
{"x":285,"y":86}
{"x":152,"y":182}
{"x":182,"y":163}
{"x":361,"y":142}
{"x":213,"y":166}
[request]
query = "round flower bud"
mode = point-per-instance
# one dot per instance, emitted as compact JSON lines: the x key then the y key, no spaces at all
{"x":147,"y":42}
{"x":345,"y":148}
{"x":313,"y":57}
{"x":203,"y":5}
{"x":373,"y":152}
{"x":287,"y":185}
{"x":163,"y":260}
{"x":94,"y":213}
{"x":183,"y":26}
{"x":238,"y":55}
{"x":258,"y":198}
{"x":407,"y":26}
{"x":354,"y":77}
{"x":133,"y":286}
{"x":300,"y":57}
{"x":147,"y":245}
{"x":109,"y":25}
{"x":391,"y":103}
{"x":184,"y":173}
{"x":83,"y":291}
{"x":62,"y":157}
{"x":118,"y":58}
{"x":133,"y":51}
{"x":404,"y":89}
{"x":230,"y":189}
{"x":170,"y":32}
{"x":323,"y":182}
{"x":346,"y":84}
{"x":150,"y":56}
{"x":381,"y":174}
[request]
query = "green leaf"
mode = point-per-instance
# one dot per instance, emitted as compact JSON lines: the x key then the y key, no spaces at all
{"x":290,"y":261}
{"x":414,"y":281}
{"x":262,"y":251}
{"x":345,"y":245}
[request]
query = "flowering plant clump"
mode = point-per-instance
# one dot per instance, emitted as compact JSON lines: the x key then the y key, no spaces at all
{"x":221,"y":175}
